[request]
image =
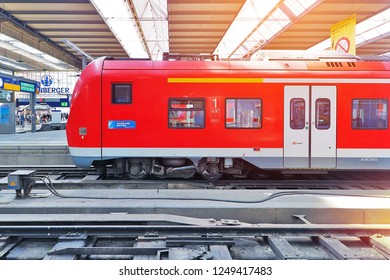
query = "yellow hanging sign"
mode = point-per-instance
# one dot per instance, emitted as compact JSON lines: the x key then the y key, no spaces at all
{"x":342,"y":35}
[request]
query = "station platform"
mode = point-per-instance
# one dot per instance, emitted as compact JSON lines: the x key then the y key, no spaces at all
{"x":35,"y":149}
{"x":231,"y":206}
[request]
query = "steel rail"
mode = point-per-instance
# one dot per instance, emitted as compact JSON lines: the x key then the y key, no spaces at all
{"x":54,"y":231}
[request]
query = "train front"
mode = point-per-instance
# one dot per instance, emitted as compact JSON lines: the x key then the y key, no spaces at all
{"x":83,"y":129}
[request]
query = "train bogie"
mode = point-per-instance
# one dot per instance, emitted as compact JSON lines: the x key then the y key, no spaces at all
{"x":139,"y":168}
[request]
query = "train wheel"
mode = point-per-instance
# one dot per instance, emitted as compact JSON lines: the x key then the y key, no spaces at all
{"x":188,"y":175}
{"x":139,"y":169}
{"x":138,"y":176}
{"x":211,"y":172}
{"x":211,"y":177}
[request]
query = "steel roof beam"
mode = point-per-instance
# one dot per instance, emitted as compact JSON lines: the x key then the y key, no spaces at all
{"x":72,"y":60}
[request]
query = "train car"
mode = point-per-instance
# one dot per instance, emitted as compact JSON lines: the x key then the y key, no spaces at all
{"x":132,"y":118}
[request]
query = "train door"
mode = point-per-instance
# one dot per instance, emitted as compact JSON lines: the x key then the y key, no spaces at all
{"x":310,"y":127}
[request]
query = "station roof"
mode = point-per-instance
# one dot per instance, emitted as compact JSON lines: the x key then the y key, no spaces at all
{"x":63,"y":31}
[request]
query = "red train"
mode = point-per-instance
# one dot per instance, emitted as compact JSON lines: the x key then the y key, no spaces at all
{"x":175,"y":118}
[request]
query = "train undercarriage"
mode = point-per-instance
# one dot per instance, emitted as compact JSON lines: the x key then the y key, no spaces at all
{"x":139,"y":168}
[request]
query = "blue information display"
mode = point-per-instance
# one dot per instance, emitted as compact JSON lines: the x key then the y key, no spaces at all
{"x":52,"y":102}
{"x":125,"y":124}
{"x":16,"y":84}
{"x":4,"y":114}
{"x":27,"y":87}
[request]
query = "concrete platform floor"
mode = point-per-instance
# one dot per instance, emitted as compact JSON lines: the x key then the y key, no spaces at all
{"x":39,"y":148}
{"x":250,"y":206}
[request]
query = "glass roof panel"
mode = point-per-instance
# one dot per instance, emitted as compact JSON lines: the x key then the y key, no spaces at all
{"x":299,"y":6}
{"x":119,"y":18}
{"x":251,"y":14}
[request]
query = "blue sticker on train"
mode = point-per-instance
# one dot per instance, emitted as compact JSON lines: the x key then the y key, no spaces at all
{"x":125,"y":124}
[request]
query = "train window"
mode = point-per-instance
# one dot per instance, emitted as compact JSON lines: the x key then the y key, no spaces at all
{"x":121,"y":93}
{"x":186,"y":113}
{"x":370,"y":113}
{"x":322,"y":113}
{"x":297,"y":113}
{"x":243,"y":113}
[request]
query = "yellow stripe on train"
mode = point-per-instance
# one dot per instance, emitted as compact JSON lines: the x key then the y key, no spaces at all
{"x":215,"y":80}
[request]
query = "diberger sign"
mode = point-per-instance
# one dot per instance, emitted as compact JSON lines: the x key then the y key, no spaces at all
{"x":46,"y":86}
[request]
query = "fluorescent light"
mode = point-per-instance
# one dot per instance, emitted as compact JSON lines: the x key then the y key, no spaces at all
{"x":13,"y":65}
{"x":21,"y":48}
{"x":4,"y":37}
{"x":25,"y":47}
{"x":10,"y":62}
{"x":51,"y":58}
{"x":119,"y":18}
{"x":77,"y":49}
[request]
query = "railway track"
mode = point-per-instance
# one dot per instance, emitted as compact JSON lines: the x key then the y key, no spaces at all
{"x":70,"y":177}
{"x":169,"y":237}
{"x":60,"y":170}
{"x":158,"y":219}
{"x":87,"y":183}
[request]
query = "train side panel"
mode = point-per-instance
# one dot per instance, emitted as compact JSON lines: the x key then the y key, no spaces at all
{"x":197,"y":110}
{"x":363,"y":126}
{"x":147,"y":127}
